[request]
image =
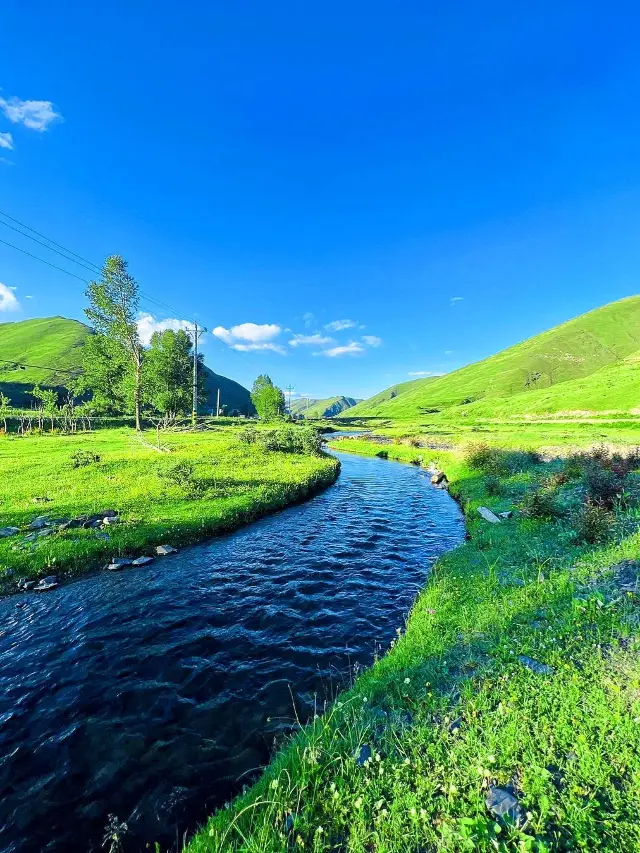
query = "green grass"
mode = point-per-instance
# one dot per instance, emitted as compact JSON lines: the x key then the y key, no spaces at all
{"x":221,"y":484}
{"x":326,"y":408}
{"x":450,"y":710}
{"x":569,"y":352}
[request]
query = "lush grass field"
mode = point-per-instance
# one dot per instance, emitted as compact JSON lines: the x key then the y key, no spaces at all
{"x":536,"y":372}
{"x":208,"y":482}
{"x":405,"y":759}
{"x":322,"y":408}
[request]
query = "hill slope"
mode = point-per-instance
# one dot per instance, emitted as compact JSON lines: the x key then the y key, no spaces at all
{"x":571,"y":351}
{"x":322,"y":408}
{"x":53,"y":345}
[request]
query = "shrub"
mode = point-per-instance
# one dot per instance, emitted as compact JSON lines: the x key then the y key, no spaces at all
{"x":181,"y":474}
{"x":493,"y":460}
{"x":291,"y":439}
{"x":82,"y":458}
{"x":382,"y":454}
{"x":492,"y":485}
{"x":603,"y":486}
{"x":592,"y":523}
{"x":539,"y":503}
{"x":248,"y":434}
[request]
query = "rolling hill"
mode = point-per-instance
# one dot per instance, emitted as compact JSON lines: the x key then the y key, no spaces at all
{"x":328,"y":408}
{"x":53,"y":345}
{"x":547,"y":367}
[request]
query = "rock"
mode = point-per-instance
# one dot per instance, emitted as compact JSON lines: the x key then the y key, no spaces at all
{"x":39,"y":523}
{"x":165,"y":550}
{"x":28,"y":585}
{"x":535,"y":666}
{"x":46,"y":531}
{"x":110,"y":519}
{"x":289,"y":823}
{"x":50,"y":582}
{"x":142,"y":561}
{"x":8,"y":531}
{"x":439,"y":478}
{"x":454,"y":725}
{"x":502,"y":803}
{"x":118,"y":563}
{"x":507,"y":514}
{"x":488,"y":515}
{"x":363,"y":754}
{"x":31,"y":537}
{"x":107,"y":513}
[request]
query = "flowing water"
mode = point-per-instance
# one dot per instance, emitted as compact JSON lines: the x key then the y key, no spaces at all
{"x":154,"y":694}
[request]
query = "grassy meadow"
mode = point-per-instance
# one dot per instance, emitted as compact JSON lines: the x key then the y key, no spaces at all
{"x":201,"y":484}
{"x":517,"y":675}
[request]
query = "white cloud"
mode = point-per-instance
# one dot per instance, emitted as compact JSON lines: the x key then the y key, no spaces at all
{"x":8,"y":301}
{"x":339,"y":325}
{"x":455,"y":299}
{"x":147,"y":325}
{"x":309,"y":320}
{"x":28,"y":297}
{"x":36,"y":115}
{"x":448,"y":352}
{"x":251,"y":337}
{"x":423,"y":373}
{"x":6,"y":141}
{"x":6,"y":162}
{"x":352,"y":348}
{"x":372,"y":340}
{"x":304,"y":340}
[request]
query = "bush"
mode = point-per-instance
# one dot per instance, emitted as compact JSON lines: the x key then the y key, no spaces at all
{"x":182,"y":475}
{"x":592,"y":523}
{"x":382,"y":454}
{"x":493,"y":460}
{"x":82,"y":458}
{"x":539,"y":503}
{"x":248,"y":434}
{"x":603,"y":486}
{"x":291,"y":439}
{"x":493,"y":486}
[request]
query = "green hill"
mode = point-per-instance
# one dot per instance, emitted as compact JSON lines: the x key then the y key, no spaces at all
{"x":600,"y":339}
{"x":53,"y":345}
{"x":328,"y":408}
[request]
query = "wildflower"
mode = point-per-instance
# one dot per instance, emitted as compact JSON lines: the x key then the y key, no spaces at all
{"x":407,"y":681}
{"x":358,"y":802}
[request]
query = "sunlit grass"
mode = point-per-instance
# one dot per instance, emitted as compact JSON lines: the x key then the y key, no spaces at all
{"x":451,"y":710}
{"x":204,"y":483}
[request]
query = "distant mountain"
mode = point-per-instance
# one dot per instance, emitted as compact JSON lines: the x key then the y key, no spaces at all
{"x":53,"y":345}
{"x":328,"y":408}
{"x":551,"y":366}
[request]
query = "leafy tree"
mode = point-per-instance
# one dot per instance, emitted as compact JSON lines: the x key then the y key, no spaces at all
{"x":106,"y":375}
{"x":5,"y":409}
{"x":267,"y":398}
{"x":47,"y":403}
{"x":168,"y":372}
{"x":112,"y":311}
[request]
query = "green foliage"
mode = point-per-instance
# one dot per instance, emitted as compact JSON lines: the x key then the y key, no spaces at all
{"x":267,"y":398}
{"x":290,"y":439}
{"x":5,"y":409}
{"x":493,"y":485}
{"x":168,"y":373}
{"x":592,"y":523}
{"x":326,"y":408}
{"x":113,"y":310}
{"x":82,"y":458}
{"x":495,"y":460}
{"x":539,"y":503}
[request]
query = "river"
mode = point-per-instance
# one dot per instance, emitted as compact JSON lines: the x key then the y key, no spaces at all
{"x":154,"y":694}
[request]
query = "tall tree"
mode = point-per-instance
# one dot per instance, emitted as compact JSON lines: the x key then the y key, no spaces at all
{"x":113,"y":309}
{"x":267,"y":398}
{"x":5,"y":409}
{"x":168,"y":372}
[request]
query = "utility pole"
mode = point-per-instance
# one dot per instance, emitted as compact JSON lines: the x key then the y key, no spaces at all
{"x":289,"y":388}
{"x":196,"y":332}
{"x":218,"y":405}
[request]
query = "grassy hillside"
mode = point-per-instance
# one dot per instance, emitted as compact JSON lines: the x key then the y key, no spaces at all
{"x":327,"y":408}
{"x":569,"y":352}
{"x":53,"y":342}
{"x":54,"y":345}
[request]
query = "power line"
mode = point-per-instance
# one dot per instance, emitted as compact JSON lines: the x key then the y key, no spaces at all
{"x":41,"y":366}
{"x":88,"y":265}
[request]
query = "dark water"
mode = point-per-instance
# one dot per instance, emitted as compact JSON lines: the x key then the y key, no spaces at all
{"x":155,"y":693}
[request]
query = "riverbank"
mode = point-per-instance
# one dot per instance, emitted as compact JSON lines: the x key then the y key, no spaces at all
{"x":196,"y":486}
{"x":505,"y":715}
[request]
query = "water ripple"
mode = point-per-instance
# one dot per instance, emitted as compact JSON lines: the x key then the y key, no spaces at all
{"x":154,"y":694}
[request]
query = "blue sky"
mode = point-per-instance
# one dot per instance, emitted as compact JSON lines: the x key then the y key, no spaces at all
{"x":351,"y":194}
